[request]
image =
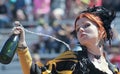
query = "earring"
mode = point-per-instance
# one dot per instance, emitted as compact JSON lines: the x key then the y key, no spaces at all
{"x":101,"y":43}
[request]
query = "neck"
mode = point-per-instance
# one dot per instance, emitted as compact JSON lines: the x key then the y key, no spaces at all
{"x":95,"y":50}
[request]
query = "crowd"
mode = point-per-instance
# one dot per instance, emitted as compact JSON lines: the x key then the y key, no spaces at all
{"x":33,"y":10}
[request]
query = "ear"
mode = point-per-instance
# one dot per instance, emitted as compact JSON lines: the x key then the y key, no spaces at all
{"x":101,"y":42}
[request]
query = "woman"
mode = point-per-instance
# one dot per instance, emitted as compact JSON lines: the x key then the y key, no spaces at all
{"x":92,"y":28}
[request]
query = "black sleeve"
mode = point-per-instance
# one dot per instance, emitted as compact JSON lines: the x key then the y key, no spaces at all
{"x":35,"y":69}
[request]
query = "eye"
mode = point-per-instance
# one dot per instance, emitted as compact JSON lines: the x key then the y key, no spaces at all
{"x":86,"y":25}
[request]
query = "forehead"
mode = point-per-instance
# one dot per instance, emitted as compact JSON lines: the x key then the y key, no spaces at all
{"x":82,"y":21}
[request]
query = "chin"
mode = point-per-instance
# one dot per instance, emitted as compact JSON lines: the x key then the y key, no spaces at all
{"x":84,"y":42}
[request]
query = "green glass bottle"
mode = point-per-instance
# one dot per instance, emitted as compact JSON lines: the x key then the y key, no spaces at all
{"x":9,"y":49}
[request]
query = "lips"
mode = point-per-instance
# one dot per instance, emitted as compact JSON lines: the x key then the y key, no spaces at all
{"x":82,"y":35}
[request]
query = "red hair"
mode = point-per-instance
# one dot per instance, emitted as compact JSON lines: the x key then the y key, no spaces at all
{"x":94,"y":19}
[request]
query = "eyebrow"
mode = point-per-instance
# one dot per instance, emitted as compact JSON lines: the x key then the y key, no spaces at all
{"x":77,"y":26}
{"x":83,"y":23}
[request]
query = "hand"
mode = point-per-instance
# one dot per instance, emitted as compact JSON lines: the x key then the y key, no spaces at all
{"x":18,"y":29}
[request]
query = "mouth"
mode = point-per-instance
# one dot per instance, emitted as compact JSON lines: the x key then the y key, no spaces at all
{"x":82,"y":35}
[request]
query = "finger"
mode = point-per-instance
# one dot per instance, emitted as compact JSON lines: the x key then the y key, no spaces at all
{"x":17,"y":24}
{"x":15,"y":28}
{"x":16,"y":32}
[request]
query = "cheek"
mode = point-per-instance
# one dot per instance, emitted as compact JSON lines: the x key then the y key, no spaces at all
{"x":94,"y":31}
{"x":94,"y":34}
{"x":78,"y":35}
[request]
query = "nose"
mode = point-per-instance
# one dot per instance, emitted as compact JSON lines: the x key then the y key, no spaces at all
{"x":81,"y":29}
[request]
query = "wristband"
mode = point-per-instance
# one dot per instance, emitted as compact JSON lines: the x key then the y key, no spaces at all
{"x":24,"y":47}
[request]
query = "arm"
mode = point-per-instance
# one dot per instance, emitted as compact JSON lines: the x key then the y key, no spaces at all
{"x":25,"y":60}
{"x":23,"y":52}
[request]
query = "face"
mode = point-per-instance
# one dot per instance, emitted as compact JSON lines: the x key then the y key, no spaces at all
{"x":87,"y":31}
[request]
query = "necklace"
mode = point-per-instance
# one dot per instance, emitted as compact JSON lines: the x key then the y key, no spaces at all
{"x":97,"y":56}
